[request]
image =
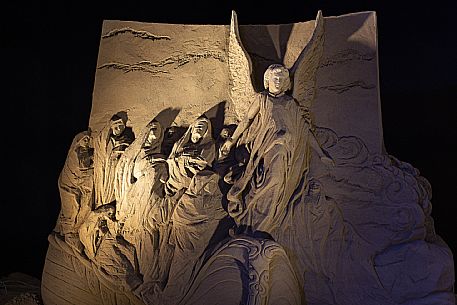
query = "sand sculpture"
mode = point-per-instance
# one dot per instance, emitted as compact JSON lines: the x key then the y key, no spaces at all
{"x":242,"y":165}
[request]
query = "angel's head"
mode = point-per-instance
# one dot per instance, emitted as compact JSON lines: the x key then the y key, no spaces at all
{"x":276,"y":79}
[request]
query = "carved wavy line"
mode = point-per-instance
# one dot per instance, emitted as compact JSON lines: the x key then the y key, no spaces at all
{"x":183,"y":59}
{"x":136,"y":33}
{"x":218,"y":283}
{"x":347,"y":56}
{"x":151,"y":67}
{"x":130,"y":67}
{"x":196,"y":283}
{"x":357,"y":186}
{"x":341,"y":88}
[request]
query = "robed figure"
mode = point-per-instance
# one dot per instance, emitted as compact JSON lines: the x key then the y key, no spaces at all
{"x":278,"y":133}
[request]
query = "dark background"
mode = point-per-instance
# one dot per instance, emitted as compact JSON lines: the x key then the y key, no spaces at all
{"x":49,"y":55}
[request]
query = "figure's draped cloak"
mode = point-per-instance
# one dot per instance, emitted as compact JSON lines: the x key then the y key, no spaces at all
{"x":277,"y":140}
{"x":182,"y":168}
{"x":137,"y":204}
{"x":135,"y":192}
{"x":75,"y":188}
{"x":106,"y":157}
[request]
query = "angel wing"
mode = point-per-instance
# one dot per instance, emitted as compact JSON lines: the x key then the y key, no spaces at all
{"x":240,"y":72}
{"x":305,"y":67}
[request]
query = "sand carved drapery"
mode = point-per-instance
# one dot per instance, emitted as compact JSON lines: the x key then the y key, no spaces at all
{"x":76,"y":184}
{"x":194,"y":152}
{"x":277,"y":131}
{"x":256,"y":202}
{"x":139,"y":193}
{"x":109,"y":146}
{"x":139,"y":171}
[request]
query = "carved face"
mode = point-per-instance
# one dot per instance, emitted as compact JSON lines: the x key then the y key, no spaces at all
{"x":110,"y":213}
{"x":278,"y":81}
{"x":198,"y":131}
{"x":117,"y":127}
{"x":225,"y":133}
{"x":314,"y":187}
{"x":154,"y":134}
{"x":85,"y":142}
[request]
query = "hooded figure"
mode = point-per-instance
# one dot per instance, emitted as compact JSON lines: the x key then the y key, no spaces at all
{"x":139,"y":170}
{"x":113,"y":256}
{"x":192,"y":153}
{"x":76,"y":184}
{"x":139,"y":199}
{"x":109,"y":145}
{"x":197,"y":211}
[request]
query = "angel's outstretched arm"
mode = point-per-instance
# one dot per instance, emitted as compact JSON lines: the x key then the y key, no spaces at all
{"x":244,"y":124}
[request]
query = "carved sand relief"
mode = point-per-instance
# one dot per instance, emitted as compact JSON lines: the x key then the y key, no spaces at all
{"x":197,"y":195}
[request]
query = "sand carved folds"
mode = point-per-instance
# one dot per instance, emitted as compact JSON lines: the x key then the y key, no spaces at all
{"x":255,"y":201}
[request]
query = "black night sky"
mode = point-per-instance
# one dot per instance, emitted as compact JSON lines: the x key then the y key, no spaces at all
{"x":49,"y":55}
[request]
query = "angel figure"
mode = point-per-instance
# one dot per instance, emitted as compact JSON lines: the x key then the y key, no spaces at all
{"x":277,"y":131}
